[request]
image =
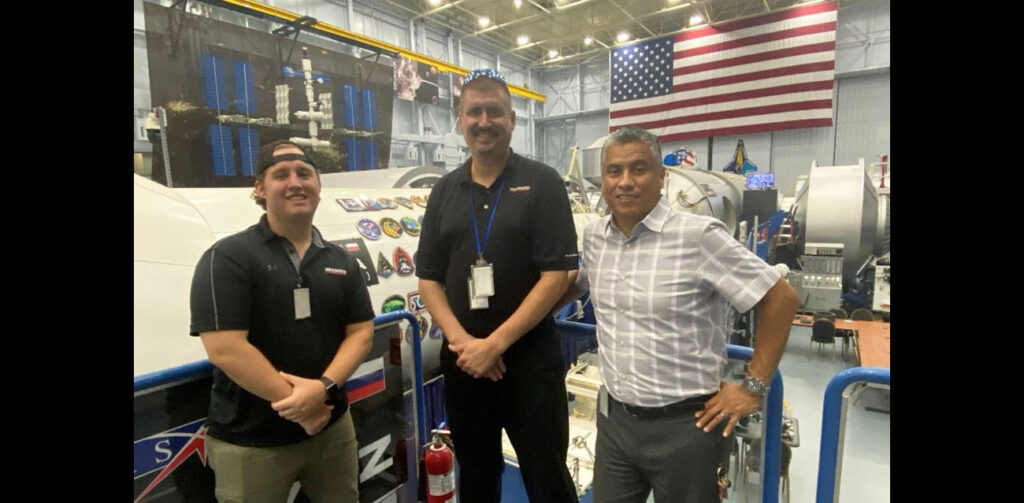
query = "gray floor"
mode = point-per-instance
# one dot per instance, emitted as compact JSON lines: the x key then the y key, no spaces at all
{"x":865,"y":466}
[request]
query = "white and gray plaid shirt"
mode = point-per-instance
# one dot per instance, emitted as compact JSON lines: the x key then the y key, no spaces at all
{"x":660,"y":300}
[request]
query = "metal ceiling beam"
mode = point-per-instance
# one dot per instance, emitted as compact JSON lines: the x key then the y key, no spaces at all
{"x":263,"y":10}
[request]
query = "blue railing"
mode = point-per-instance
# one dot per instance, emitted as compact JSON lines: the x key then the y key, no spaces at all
{"x":202,"y":368}
{"x":829,"y":454}
{"x":772,"y":428}
{"x":773,"y":420}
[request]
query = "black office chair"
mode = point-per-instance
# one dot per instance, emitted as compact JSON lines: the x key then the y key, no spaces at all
{"x":861,"y":314}
{"x":842,"y":332}
{"x":824,"y":332}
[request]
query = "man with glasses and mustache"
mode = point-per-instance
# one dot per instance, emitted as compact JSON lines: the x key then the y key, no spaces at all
{"x":497,"y":240}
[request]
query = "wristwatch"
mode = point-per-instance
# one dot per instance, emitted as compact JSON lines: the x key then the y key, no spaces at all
{"x":755,"y":386}
{"x":329,"y":387}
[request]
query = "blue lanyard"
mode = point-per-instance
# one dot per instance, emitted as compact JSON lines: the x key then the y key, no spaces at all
{"x":472,"y":213}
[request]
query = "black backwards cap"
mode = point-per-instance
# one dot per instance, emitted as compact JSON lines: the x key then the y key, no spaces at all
{"x":266,"y":158}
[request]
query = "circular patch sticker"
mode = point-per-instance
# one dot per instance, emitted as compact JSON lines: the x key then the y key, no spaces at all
{"x":393,"y":303}
{"x":404,"y":201}
{"x":424,"y":328}
{"x":435,"y":331}
{"x":411,"y":226}
{"x":369,"y":229}
{"x":386,"y":203}
{"x":391,"y":227}
{"x":403,"y":262}
{"x":419,"y":201}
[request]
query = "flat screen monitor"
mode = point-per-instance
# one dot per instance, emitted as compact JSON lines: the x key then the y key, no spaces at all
{"x":756,"y":181}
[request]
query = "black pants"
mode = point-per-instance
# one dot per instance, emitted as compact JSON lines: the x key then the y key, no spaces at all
{"x":529,"y":402}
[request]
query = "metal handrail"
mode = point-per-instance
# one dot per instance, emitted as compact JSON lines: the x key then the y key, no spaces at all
{"x":829,"y":454}
{"x":773,"y":415}
{"x":201,"y":368}
{"x":773,"y":428}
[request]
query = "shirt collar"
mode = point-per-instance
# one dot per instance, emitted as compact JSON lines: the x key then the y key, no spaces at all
{"x":464,"y":175}
{"x":266,"y":234}
{"x":654,"y":221}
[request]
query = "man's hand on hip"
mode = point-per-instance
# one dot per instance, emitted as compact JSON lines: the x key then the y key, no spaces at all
{"x":731,"y":403}
{"x":305,"y":402}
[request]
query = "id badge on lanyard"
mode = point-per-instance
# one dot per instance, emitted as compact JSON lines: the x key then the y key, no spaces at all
{"x":481,"y":273}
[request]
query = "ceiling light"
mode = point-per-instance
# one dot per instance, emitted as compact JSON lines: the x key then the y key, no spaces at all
{"x":518,"y":3}
{"x":696,"y":19}
{"x":622,"y":36}
{"x":552,"y":53}
{"x":523,"y":39}
{"x":434,"y":2}
{"x":588,"y":40}
{"x":484,"y":21}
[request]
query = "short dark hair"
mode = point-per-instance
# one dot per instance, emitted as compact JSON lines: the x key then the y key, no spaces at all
{"x":265,"y":159}
{"x":633,"y":134}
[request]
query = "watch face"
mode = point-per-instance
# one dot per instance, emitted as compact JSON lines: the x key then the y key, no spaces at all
{"x":754,"y":386}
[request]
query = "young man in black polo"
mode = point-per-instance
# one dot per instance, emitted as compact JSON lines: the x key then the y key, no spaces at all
{"x":285,"y":317}
{"x":497,"y":240}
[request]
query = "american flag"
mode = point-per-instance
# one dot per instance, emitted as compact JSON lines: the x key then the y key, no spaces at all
{"x":770,"y":72}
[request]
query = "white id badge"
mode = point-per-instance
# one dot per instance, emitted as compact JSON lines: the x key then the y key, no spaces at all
{"x":483,"y":279}
{"x":302,"y":309}
{"x":602,"y":401}
{"x":474,"y":301}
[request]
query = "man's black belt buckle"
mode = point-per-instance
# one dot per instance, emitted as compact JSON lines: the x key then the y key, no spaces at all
{"x":690,"y":405}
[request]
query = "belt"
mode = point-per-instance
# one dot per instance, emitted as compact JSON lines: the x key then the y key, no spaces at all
{"x":690,"y":405}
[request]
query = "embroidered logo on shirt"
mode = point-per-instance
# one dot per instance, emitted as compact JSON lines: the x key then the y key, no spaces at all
{"x":336,"y":272}
{"x":522,"y":188}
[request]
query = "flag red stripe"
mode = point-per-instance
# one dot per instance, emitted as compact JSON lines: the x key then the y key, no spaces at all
{"x":754,"y":58}
{"x":757,"y":39}
{"x":740,"y":112}
{"x":763,"y":74}
{"x":747,"y":23}
{"x":755,"y":128}
{"x":722,"y":98}
{"x":362,"y":392}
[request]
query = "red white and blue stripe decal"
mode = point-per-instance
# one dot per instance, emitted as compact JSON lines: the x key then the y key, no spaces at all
{"x":366,"y":381}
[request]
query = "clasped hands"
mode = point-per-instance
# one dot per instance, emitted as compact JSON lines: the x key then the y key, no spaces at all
{"x":306,"y":403}
{"x":479,"y":357}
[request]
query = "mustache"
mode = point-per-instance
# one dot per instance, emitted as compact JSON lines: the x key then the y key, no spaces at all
{"x":478,"y":130}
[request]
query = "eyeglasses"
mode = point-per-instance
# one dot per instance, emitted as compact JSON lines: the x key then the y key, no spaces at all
{"x":484,"y":72}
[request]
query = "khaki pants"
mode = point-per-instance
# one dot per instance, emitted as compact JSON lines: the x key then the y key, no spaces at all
{"x":326,"y":465}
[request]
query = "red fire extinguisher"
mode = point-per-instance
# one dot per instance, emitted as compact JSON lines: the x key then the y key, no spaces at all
{"x":439,"y":461}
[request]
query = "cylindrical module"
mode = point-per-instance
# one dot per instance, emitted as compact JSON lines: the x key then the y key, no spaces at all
{"x":369,"y":124}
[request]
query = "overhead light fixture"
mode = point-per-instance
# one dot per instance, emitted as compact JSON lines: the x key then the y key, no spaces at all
{"x":622,"y":36}
{"x":552,"y":54}
{"x":587,"y":40}
{"x":696,"y":19}
{"x":435,"y":3}
{"x":484,"y":21}
{"x":523,"y":40}
{"x":518,"y":3}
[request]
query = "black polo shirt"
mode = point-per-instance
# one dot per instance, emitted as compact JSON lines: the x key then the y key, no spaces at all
{"x":246,"y":282}
{"x":533,"y":231}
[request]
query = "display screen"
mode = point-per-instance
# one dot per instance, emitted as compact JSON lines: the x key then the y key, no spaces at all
{"x":761,"y":181}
